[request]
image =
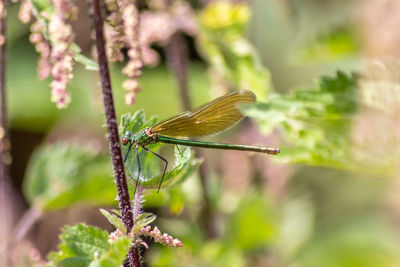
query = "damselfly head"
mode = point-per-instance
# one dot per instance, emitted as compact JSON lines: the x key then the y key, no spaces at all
{"x":124,"y":141}
{"x":126,"y":138}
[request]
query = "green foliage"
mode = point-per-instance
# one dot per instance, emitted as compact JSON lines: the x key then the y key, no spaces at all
{"x":224,"y":45}
{"x":367,"y":242}
{"x":85,"y":61}
{"x":336,"y":44}
{"x":40,"y":6}
{"x":151,"y":174}
{"x":143,"y":220}
{"x":253,"y":225}
{"x":83,"y":245}
{"x":114,"y":217}
{"x":314,"y":121}
{"x":64,"y":174}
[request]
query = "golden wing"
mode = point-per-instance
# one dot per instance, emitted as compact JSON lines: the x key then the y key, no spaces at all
{"x":210,"y":118}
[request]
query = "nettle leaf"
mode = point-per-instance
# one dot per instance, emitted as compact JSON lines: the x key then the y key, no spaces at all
{"x":143,"y":220}
{"x":315,"y":122}
{"x":222,"y":39}
{"x":83,"y":245}
{"x":114,"y":218}
{"x":151,"y":166}
{"x":86,"y":242}
{"x":114,"y":256}
{"x":64,"y":174}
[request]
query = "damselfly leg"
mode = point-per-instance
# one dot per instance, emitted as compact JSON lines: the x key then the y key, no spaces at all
{"x":165,"y":168}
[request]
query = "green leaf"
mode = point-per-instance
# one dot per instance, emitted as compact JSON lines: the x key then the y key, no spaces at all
{"x":85,"y":61}
{"x":116,"y":255}
{"x":83,"y":245}
{"x":114,"y":218}
{"x":74,"y":262}
{"x":176,"y":200}
{"x":254,"y":224}
{"x":81,"y":241}
{"x":315,"y":122}
{"x":340,"y":42}
{"x":365,"y":242}
{"x":143,"y":220}
{"x":64,"y":174}
{"x":151,"y":173}
{"x":222,"y":39}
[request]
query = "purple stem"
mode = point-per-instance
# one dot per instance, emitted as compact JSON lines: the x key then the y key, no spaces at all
{"x":138,"y":202}
{"x":113,"y":137}
{"x":7,"y":205}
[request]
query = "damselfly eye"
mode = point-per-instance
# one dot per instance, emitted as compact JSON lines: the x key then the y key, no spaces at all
{"x":124,"y":140}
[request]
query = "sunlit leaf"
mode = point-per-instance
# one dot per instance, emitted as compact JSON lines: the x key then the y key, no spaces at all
{"x":64,"y":174}
{"x":83,"y":245}
{"x":315,"y":122}
{"x":114,"y":217}
{"x":143,"y":220}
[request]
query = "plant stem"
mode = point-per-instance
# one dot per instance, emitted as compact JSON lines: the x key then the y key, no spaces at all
{"x":176,"y":52}
{"x":177,"y":57}
{"x":26,"y":222}
{"x":7,"y":212}
{"x":137,"y":202}
{"x":112,"y":127}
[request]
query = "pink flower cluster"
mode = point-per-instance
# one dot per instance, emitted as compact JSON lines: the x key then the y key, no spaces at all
{"x":159,"y":26}
{"x":3,"y":15}
{"x":62,"y":56}
{"x":124,"y":25}
{"x":25,"y":11}
{"x":158,"y":237}
{"x":121,"y":30}
{"x":130,"y":16}
{"x":114,"y":236}
{"x":156,"y":234}
{"x":56,"y":55}
{"x":42,"y":46}
{"x":114,"y":32}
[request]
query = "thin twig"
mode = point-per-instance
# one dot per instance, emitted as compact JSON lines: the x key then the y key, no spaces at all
{"x":4,"y":138}
{"x":25,"y":223}
{"x":177,"y":58}
{"x":6,"y":203}
{"x":113,"y":137}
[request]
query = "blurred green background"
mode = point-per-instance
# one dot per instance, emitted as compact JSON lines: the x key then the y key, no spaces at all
{"x":327,"y":201}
